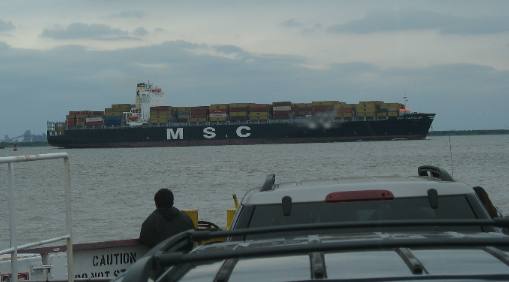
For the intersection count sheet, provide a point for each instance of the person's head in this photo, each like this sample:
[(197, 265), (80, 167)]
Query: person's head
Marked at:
[(164, 198)]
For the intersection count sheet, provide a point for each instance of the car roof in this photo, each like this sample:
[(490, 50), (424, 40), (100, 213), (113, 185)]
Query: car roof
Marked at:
[(373, 263), (317, 190)]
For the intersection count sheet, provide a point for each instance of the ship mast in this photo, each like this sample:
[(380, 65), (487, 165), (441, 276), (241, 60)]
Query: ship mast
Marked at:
[(144, 93)]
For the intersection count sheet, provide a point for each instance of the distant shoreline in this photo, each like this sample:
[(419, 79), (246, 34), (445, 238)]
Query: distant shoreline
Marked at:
[(23, 144), (469, 132)]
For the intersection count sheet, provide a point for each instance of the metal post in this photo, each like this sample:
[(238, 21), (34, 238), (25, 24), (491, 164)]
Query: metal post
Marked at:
[(12, 225), (68, 219)]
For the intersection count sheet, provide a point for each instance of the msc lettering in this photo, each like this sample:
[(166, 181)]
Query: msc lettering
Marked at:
[(208, 132)]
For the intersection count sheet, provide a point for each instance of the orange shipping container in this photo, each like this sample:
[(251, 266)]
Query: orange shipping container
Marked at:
[(259, 107)]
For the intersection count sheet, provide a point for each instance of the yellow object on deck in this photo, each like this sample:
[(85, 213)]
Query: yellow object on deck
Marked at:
[(193, 214), (230, 214)]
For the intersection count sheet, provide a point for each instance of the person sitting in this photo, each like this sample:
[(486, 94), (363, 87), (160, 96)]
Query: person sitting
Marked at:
[(163, 222)]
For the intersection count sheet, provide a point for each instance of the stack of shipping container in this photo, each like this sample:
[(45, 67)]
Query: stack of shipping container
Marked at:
[(392, 109), (218, 112), (81, 119), (199, 114), (113, 116), (238, 111), (161, 115), (259, 112), (235, 112), (182, 114), (345, 111), (367, 109), (281, 110), (71, 120), (302, 110), (324, 108)]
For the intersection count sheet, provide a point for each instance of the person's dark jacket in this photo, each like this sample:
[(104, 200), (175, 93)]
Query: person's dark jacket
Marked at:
[(162, 224)]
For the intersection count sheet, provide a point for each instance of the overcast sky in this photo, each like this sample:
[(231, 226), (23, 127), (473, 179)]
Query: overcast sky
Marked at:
[(447, 57)]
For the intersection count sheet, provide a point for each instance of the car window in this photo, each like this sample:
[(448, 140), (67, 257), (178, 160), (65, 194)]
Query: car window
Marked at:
[(450, 207)]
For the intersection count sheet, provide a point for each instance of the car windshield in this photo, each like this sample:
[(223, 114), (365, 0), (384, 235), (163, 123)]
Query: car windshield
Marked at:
[(450, 207)]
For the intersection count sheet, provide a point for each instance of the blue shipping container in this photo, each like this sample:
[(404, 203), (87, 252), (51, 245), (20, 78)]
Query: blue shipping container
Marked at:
[(112, 121)]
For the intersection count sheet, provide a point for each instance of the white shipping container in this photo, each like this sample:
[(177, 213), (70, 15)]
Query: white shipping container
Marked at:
[(282, 108), (93, 119), (217, 115)]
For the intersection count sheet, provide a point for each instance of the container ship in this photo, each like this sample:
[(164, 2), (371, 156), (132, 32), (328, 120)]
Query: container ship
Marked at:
[(140, 125)]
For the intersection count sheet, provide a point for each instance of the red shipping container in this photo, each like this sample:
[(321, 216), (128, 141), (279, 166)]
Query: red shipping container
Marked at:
[(281, 115), (323, 108)]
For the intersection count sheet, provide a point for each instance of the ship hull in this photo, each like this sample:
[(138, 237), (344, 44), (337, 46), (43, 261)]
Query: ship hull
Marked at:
[(411, 127)]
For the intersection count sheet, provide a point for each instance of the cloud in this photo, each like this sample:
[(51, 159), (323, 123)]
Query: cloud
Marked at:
[(134, 14), (292, 23), (230, 49), (75, 78), (140, 32), (301, 26), (86, 31), (391, 21), (6, 26)]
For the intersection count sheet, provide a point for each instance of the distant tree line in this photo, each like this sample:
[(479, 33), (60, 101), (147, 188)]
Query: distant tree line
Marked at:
[(469, 132)]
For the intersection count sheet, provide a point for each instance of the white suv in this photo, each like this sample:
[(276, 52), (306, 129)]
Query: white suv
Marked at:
[(433, 194)]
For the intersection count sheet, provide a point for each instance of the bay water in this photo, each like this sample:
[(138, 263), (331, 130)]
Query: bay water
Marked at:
[(113, 189)]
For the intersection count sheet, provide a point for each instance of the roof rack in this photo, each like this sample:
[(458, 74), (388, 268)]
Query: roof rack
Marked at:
[(269, 182), (176, 250), (435, 172), (169, 259)]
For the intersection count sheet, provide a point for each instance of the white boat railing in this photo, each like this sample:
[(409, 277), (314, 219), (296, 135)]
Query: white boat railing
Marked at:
[(13, 250)]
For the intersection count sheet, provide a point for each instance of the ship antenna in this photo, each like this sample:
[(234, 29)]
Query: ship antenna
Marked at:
[(450, 151)]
